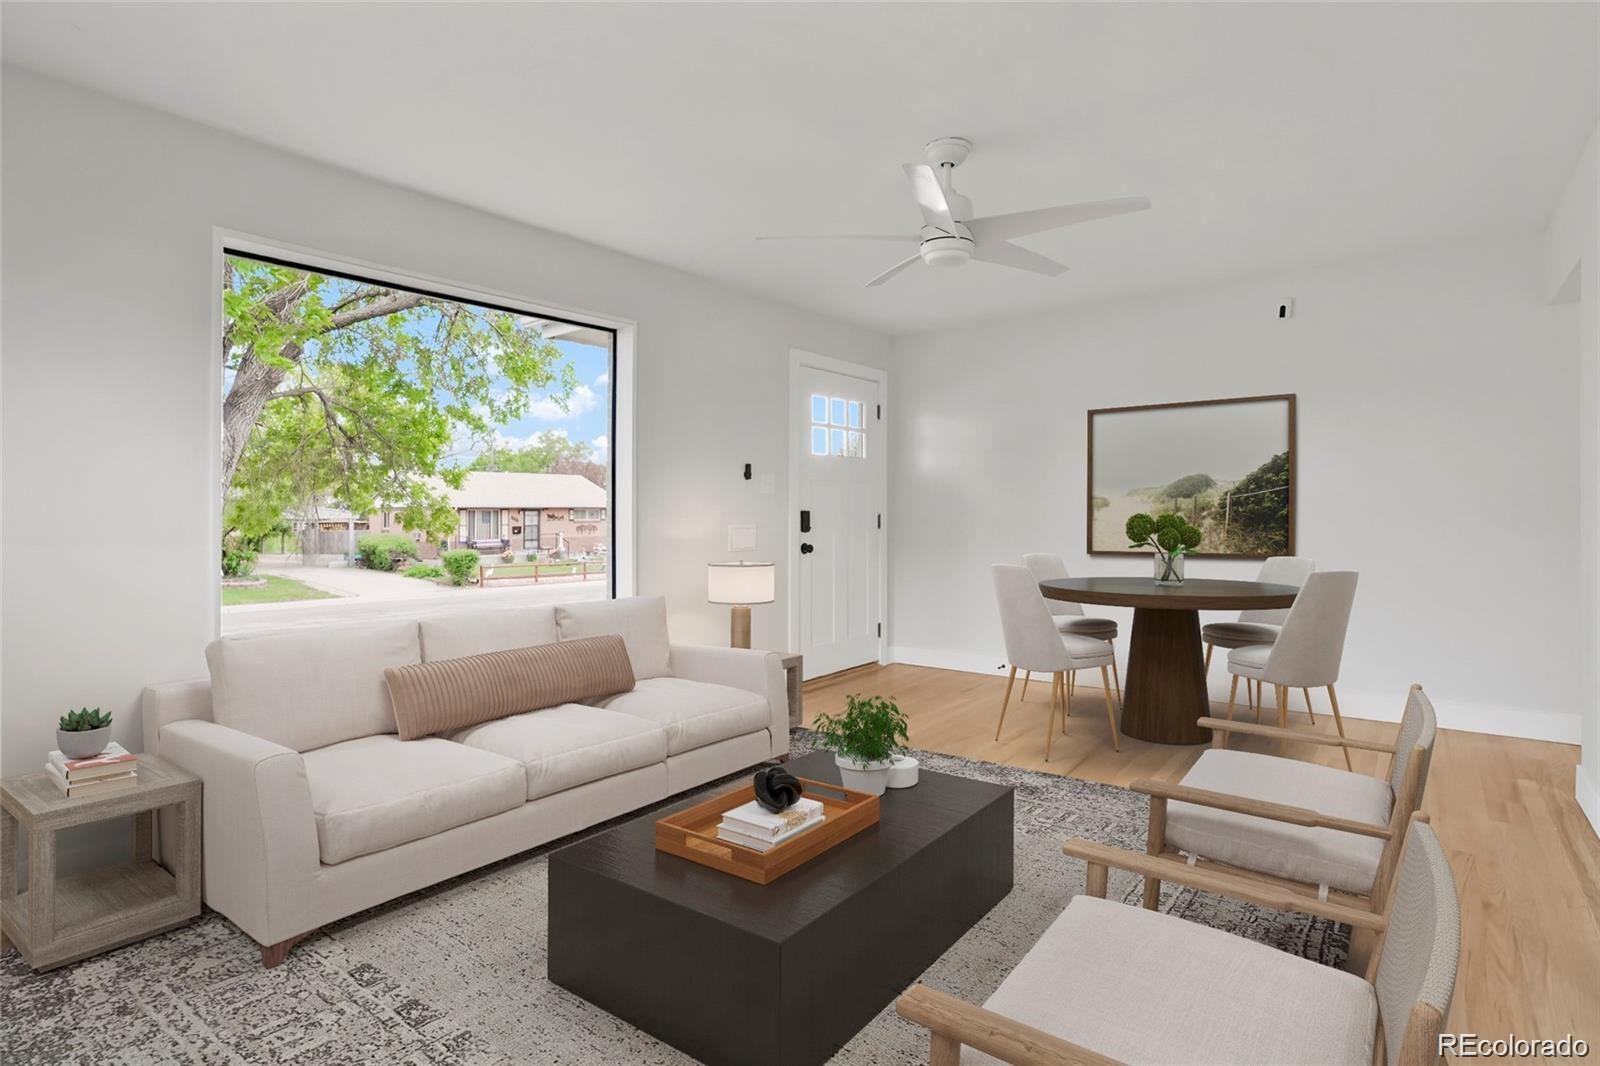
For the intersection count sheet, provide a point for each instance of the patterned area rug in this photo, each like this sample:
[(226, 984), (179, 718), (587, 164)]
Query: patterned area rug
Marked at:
[(456, 973)]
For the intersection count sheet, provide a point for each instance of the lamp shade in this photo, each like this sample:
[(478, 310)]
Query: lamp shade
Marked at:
[(741, 583)]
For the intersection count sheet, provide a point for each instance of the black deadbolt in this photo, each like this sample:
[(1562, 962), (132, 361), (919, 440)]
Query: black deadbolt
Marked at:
[(806, 549)]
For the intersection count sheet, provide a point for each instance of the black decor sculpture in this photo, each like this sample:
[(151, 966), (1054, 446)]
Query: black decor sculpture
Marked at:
[(777, 789)]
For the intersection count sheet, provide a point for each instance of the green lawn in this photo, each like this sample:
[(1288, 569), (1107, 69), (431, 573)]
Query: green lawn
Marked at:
[(276, 590), (545, 569)]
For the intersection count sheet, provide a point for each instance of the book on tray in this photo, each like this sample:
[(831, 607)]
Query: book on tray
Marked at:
[(753, 826), (113, 770)]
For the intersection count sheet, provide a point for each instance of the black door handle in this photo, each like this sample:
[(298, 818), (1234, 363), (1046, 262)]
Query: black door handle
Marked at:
[(806, 549)]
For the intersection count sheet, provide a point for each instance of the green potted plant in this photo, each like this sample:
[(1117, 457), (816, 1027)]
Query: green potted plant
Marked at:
[(1170, 536), (863, 740), (84, 733)]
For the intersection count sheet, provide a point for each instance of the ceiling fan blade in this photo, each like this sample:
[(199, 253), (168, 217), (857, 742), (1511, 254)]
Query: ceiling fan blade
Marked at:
[(1022, 223), (892, 271), (930, 196), (1014, 255), (900, 238)]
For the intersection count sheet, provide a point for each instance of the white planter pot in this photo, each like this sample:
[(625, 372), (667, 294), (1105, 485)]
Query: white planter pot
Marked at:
[(870, 777), (903, 772), (83, 744)]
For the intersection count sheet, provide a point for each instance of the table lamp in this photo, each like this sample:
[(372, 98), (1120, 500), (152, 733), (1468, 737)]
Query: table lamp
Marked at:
[(740, 584)]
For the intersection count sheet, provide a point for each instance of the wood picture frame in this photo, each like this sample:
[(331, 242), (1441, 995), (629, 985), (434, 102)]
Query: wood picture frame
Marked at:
[(1250, 532)]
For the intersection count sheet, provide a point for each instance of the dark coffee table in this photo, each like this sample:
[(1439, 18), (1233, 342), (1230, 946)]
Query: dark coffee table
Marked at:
[(781, 974)]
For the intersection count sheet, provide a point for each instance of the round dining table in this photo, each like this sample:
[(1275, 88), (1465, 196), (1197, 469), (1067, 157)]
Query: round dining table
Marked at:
[(1165, 690)]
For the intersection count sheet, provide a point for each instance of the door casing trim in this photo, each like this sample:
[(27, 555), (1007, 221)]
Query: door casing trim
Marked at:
[(799, 359)]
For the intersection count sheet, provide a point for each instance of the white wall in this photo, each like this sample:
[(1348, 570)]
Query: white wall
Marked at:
[(1437, 455), (106, 577), (1572, 275)]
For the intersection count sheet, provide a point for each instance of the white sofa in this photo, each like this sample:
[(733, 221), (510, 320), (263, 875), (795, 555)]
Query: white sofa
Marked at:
[(314, 809)]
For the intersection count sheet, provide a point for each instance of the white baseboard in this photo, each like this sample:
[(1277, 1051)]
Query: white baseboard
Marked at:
[(1531, 723), (1588, 798)]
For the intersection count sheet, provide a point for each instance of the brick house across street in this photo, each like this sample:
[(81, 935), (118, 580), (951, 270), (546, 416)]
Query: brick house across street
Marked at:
[(554, 514)]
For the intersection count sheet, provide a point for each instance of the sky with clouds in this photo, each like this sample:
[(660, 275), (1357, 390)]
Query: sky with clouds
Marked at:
[(587, 416)]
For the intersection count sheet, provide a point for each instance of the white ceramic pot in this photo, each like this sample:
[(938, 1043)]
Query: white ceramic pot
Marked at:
[(870, 777), (83, 744), (903, 772)]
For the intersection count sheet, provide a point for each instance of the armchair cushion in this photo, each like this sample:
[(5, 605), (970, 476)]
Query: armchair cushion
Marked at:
[(1141, 986), (694, 713), (1239, 634), (570, 745), (1311, 855), (380, 792)]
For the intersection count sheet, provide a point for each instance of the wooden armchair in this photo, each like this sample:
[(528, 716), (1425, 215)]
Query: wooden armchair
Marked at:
[(1295, 827), (1108, 983)]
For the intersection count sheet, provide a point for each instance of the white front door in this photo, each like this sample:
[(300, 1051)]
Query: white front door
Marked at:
[(840, 493)]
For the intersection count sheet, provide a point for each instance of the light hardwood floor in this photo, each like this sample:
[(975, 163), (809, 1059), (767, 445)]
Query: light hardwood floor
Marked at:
[(1526, 861)]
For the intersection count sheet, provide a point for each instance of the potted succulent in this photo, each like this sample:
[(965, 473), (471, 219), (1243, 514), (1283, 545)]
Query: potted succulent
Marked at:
[(863, 740), (84, 733), (1171, 536)]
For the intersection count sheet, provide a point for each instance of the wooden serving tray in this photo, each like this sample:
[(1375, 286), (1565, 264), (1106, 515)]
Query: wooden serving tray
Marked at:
[(692, 833)]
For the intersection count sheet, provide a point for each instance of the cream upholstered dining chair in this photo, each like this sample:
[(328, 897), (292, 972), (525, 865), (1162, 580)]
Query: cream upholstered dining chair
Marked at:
[(1108, 983), (1068, 616), (1308, 649), (1273, 819), (1034, 643), (1259, 627)]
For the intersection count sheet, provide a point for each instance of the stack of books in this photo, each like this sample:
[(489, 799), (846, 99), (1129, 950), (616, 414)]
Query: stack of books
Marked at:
[(753, 826), (114, 770)]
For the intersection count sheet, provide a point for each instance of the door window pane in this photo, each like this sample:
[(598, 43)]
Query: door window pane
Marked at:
[(856, 445), (838, 411), (836, 442), (819, 409), (819, 441), (855, 414)]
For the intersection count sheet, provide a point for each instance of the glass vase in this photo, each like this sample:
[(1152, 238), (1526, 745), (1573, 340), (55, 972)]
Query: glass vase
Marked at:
[(1169, 569)]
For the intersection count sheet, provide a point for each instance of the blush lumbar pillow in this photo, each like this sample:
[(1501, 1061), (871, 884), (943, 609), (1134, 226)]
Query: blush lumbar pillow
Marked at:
[(450, 694)]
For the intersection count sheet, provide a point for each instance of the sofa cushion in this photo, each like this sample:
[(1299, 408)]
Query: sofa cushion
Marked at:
[(641, 622), (450, 636), (570, 745), (451, 694), (377, 793), (309, 687), (1301, 853), (1141, 986), (694, 713)]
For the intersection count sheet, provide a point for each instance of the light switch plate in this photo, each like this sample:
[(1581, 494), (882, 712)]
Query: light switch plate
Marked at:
[(741, 538)]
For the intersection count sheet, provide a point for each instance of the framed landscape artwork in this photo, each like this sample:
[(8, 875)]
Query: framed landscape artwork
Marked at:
[(1225, 465)]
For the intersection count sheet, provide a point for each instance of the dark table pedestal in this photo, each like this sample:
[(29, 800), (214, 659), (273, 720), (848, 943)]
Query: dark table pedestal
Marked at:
[(1166, 689), (783, 974)]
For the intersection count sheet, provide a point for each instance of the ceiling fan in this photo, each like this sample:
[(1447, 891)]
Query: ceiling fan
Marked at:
[(950, 235)]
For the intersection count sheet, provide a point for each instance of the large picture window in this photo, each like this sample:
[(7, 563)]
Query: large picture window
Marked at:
[(369, 428)]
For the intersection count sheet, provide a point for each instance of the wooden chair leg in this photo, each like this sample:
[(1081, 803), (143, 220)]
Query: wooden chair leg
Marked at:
[(1116, 680), (1233, 694), (1209, 649), (1094, 880), (1309, 712), (1111, 713), (1068, 688), (1012, 680), (1260, 699), (1280, 700), (1027, 675), (1050, 722), (1061, 686), (1333, 701), (943, 1050), (1155, 842)]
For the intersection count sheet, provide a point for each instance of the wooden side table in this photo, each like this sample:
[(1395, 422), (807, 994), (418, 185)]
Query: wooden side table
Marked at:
[(55, 922), (794, 676)]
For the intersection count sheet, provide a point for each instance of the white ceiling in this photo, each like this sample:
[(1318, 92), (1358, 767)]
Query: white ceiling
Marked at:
[(1268, 135)]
